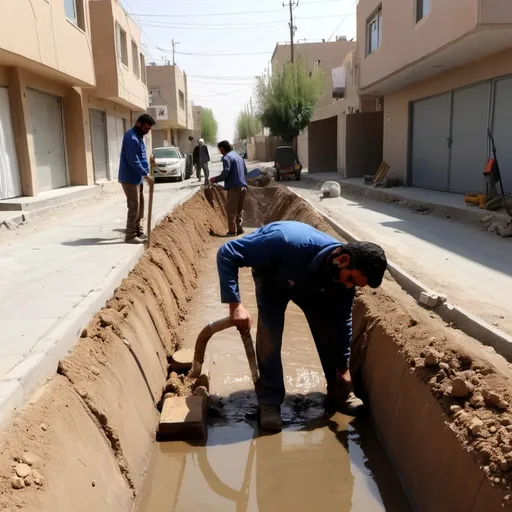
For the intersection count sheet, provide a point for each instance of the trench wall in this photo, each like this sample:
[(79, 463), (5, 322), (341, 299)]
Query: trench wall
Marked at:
[(93, 424)]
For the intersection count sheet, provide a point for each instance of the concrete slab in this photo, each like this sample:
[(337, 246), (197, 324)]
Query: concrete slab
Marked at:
[(183, 418)]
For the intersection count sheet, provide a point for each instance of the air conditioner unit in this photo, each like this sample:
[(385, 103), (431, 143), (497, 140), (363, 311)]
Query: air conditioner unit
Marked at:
[(159, 113)]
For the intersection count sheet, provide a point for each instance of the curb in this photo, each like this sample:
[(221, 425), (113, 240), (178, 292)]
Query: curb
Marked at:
[(42, 361), (468, 323)]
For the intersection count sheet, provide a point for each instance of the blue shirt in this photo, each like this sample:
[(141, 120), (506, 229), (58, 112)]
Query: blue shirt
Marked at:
[(233, 173), (133, 165), (289, 255)]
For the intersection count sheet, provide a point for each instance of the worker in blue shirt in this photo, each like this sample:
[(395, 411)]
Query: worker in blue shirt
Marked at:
[(133, 170), (292, 261), (233, 175)]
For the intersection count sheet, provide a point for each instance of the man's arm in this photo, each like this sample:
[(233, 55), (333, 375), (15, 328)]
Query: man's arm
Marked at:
[(207, 154), (226, 168), (343, 312), (132, 152), (255, 250)]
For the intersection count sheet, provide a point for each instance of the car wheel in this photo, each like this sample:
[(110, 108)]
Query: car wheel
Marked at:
[(278, 176), (297, 176)]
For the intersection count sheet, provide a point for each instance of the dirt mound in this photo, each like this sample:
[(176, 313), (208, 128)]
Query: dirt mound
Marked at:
[(439, 399)]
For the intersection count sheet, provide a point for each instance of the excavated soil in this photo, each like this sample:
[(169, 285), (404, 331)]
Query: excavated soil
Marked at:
[(439, 400)]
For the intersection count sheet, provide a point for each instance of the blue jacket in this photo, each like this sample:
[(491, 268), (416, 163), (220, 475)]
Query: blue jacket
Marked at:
[(133, 165), (289, 255), (234, 170)]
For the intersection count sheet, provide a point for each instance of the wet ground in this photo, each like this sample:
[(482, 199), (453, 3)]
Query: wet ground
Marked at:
[(332, 463)]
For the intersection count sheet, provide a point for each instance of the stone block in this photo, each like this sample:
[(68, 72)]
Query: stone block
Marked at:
[(183, 418), (430, 300)]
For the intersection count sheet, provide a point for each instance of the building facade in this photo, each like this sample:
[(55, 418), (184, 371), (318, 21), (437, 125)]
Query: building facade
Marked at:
[(171, 107), (322, 145), (65, 97), (444, 71)]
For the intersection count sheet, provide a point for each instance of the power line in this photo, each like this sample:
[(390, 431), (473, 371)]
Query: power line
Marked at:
[(291, 5), (343, 20)]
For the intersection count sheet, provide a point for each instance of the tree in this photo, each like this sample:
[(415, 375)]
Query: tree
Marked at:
[(209, 126), (247, 125), (287, 101)]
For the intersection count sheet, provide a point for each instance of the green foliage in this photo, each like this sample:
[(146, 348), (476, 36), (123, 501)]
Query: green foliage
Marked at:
[(287, 101), (209, 126), (247, 125)]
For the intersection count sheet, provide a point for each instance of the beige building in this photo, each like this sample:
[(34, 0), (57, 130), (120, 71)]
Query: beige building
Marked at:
[(197, 117), (444, 70), (170, 107), (68, 82), (322, 145)]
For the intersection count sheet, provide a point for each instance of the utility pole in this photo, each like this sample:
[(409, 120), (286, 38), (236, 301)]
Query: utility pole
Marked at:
[(174, 44), (291, 4)]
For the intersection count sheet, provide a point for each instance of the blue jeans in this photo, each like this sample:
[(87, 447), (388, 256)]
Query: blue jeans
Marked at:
[(321, 318)]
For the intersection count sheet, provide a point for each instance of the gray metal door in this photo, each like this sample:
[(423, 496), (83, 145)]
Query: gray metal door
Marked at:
[(10, 184), (99, 144), (502, 129), (48, 138), (430, 148), (469, 138)]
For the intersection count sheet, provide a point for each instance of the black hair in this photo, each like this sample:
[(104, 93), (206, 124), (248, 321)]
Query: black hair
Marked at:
[(369, 259), (146, 119), (225, 145)]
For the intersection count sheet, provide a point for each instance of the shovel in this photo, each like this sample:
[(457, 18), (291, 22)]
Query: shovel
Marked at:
[(205, 336)]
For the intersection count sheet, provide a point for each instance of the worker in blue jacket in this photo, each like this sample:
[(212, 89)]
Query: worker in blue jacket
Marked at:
[(292, 261), (133, 170)]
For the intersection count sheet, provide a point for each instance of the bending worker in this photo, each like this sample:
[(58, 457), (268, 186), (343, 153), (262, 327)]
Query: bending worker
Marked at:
[(295, 262)]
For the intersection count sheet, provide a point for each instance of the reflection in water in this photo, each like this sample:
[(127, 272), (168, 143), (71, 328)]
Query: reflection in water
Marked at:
[(332, 463)]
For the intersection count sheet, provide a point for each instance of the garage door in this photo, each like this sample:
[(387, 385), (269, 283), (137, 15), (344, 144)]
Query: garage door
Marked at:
[(469, 138), (48, 138), (10, 185), (502, 129), (115, 134), (99, 145), (430, 148)]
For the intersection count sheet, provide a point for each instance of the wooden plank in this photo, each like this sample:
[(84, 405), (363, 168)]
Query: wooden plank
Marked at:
[(183, 418)]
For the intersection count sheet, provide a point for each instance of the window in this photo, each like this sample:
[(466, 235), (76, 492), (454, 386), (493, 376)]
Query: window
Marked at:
[(135, 59), (422, 9), (374, 32), (143, 69), (182, 100), (74, 10), (166, 153), (122, 45)]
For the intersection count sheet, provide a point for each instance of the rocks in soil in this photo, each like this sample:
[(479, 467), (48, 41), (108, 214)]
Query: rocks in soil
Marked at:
[(475, 426), (30, 458), (22, 470), (95, 370), (38, 478), (44, 427), (105, 319), (494, 399), (432, 357), (17, 482), (461, 388)]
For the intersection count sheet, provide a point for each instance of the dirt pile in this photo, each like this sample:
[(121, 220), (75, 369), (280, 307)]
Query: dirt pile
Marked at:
[(440, 401)]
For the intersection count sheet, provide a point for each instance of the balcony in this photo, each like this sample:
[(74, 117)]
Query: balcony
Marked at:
[(398, 45), (118, 60), (48, 38)]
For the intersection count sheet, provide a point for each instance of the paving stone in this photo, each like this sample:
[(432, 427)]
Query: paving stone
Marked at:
[(183, 418)]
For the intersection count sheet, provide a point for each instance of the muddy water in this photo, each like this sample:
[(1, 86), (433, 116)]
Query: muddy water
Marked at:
[(334, 463)]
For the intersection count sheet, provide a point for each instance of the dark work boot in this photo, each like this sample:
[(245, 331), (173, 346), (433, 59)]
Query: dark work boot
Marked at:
[(270, 418)]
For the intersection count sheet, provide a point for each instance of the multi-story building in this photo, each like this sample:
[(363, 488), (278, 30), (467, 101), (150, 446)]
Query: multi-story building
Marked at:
[(322, 145), (71, 72), (170, 106), (444, 70)]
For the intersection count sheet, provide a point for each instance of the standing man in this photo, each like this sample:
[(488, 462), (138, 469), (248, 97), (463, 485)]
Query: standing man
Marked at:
[(295, 262), (133, 170), (201, 158), (233, 176)]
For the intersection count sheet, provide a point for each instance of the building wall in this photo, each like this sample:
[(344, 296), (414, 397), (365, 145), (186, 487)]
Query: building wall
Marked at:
[(38, 36), (115, 80), (396, 105), (165, 84)]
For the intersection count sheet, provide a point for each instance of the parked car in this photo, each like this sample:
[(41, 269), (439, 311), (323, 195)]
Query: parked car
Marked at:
[(171, 164), (287, 163)]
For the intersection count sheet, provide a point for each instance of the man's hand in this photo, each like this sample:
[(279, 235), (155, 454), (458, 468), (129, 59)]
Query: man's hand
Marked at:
[(343, 383), (150, 179), (212, 180), (240, 317)]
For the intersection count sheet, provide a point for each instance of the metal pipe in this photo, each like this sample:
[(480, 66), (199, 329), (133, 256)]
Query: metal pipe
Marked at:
[(205, 336)]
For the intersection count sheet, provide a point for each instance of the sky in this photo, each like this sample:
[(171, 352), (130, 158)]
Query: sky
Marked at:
[(225, 44)]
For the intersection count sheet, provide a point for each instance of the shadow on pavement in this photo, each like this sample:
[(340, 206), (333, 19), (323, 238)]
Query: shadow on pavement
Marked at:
[(93, 241)]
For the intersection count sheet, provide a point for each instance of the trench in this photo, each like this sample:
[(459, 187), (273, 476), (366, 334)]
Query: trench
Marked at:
[(332, 462), (92, 426)]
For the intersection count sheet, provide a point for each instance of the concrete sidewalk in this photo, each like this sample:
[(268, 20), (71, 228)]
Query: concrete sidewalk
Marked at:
[(442, 204), (54, 279)]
